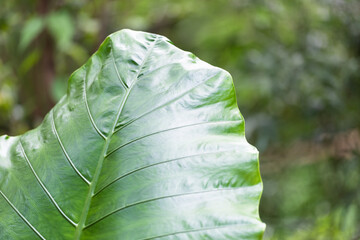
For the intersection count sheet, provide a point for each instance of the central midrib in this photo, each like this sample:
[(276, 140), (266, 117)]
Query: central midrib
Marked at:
[(93, 183)]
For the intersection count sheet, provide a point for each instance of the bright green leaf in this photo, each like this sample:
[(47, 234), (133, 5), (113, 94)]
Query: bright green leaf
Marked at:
[(31, 30), (61, 27), (148, 143)]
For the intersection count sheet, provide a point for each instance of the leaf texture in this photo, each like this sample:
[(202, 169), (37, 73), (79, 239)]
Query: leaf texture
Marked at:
[(148, 143)]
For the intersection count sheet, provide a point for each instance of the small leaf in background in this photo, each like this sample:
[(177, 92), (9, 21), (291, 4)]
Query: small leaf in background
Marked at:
[(349, 220), (31, 30), (30, 60), (61, 27), (3, 24)]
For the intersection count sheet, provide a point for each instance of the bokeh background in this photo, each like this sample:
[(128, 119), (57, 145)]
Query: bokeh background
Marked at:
[(296, 69)]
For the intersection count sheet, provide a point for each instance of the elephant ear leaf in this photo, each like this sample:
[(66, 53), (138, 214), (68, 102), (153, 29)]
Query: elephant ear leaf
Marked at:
[(148, 143)]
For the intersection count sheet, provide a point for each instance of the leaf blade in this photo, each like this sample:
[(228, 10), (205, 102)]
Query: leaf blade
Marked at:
[(157, 135)]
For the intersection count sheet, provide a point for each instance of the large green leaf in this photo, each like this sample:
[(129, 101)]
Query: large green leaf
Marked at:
[(148, 143)]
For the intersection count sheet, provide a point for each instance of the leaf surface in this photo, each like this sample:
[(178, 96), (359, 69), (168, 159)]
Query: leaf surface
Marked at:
[(148, 143)]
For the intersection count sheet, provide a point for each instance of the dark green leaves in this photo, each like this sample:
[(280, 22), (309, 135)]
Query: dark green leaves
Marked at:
[(148, 143)]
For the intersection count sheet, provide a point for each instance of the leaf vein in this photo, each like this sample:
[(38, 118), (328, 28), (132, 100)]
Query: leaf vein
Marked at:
[(64, 150), (90, 195), (88, 110), (21, 216), (166, 130), (165, 104), (155, 199), (44, 188), (155, 164), (123, 83)]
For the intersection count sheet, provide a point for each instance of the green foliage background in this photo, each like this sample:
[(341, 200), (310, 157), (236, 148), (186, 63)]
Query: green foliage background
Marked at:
[(296, 67)]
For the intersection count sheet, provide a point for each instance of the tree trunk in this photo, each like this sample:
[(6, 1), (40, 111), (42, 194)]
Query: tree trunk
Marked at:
[(45, 69)]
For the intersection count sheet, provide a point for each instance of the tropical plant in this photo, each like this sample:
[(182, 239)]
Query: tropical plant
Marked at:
[(148, 143)]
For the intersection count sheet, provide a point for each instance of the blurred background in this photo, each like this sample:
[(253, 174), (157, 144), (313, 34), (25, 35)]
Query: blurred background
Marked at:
[(296, 69)]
